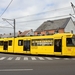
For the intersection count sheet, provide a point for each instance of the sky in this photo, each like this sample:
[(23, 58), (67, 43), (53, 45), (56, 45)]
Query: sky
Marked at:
[(30, 14)]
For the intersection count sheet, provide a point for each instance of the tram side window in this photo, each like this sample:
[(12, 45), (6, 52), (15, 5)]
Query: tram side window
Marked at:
[(1, 43), (42, 42), (20, 42), (69, 42), (34, 43), (10, 42)]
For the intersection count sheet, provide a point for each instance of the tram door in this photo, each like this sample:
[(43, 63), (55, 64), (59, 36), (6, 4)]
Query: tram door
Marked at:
[(58, 46), (5, 45), (26, 46)]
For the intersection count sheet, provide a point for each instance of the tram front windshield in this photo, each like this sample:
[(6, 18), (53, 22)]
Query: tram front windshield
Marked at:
[(70, 41)]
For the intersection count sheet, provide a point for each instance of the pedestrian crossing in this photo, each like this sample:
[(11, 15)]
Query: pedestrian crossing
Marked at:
[(18, 58), (34, 58), (25, 58), (2, 58), (10, 58), (49, 58), (41, 58)]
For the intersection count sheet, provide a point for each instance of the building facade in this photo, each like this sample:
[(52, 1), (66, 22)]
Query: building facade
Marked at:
[(54, 26)]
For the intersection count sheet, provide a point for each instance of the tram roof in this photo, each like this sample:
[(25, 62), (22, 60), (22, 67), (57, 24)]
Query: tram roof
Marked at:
[(44, 36)]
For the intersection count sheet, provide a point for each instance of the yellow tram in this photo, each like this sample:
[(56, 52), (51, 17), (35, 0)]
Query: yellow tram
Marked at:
[(62, 44)]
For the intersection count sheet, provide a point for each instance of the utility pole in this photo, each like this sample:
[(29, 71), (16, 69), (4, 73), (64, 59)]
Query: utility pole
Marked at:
[(11, 24), (14, 28), (73, 7)]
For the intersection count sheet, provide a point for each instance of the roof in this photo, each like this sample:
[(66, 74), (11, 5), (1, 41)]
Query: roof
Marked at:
[(5, 35), (9, 35), (55, 24), (12, 34), (24, 33), (74, 22)]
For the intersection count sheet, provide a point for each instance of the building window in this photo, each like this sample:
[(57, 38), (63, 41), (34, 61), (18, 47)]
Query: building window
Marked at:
[(47, 32), (10, 42), (39, 33), (20, 42)]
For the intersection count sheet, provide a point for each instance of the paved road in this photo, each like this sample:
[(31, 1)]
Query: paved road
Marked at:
[(40, 66)]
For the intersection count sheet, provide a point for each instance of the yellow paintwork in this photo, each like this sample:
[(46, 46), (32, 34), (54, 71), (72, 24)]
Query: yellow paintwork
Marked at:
[(42, 50), (11, 48), (1, 47), (18, 49), (46, 50)]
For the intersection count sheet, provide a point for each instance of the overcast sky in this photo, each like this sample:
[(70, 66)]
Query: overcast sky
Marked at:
[(23, 12)]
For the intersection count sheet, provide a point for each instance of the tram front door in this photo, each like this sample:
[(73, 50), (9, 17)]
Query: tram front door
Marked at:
[(5, 45), (26, 46)]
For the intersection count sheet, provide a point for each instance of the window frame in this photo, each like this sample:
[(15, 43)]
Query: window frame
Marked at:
[(1, 44), (42, 42), (20, 42), (69, 45), (10, 43)]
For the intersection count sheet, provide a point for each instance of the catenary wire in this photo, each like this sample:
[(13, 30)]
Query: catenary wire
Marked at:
[(45, 12), (44, 18), (6, 8)]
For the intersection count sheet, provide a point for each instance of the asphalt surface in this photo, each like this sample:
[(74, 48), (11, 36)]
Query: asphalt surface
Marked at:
[(36, 67)]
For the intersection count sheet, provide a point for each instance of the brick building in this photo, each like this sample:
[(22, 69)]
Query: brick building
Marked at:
[(60, 25)]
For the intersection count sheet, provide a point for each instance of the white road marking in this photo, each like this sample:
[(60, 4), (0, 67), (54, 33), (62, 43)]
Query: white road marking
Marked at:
[(18, 58), (66, 58), (33, 58), (49, 58), (2, 58), (56, 58), (10, 58), (41, 58), (15, 70), (73, 59), (25, 58)]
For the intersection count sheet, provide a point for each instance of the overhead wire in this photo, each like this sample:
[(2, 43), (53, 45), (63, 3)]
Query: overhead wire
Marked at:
[(44, 18), (44, 12), (5, 27), (35, 14), (6, 8)]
